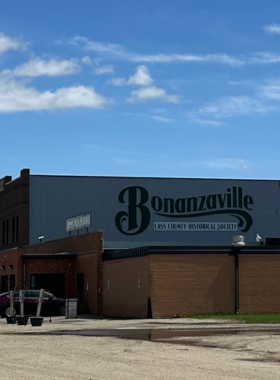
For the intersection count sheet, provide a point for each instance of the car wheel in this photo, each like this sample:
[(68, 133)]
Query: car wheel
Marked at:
[(8, 312), (62, 310)]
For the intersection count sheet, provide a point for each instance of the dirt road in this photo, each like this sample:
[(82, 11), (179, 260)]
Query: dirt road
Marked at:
[(42, 353)]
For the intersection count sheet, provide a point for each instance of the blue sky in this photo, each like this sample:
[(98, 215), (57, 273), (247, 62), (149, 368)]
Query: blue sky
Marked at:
[(150, 88)]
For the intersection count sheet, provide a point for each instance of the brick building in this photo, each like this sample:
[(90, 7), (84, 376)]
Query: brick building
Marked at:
[(106, 241), (168, 281), (68, 268), (14, 211)]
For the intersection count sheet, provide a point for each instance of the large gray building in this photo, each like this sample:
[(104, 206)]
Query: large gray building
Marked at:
[(143, 211), (136, 211)]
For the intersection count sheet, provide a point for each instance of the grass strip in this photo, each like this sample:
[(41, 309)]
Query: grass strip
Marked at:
[(246, 317)]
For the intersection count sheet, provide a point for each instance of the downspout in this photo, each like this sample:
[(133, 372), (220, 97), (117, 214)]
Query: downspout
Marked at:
[(100, 280), (24, 273), (236, 251)]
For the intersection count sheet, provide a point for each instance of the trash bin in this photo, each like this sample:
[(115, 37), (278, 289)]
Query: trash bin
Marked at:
[(71, 307)]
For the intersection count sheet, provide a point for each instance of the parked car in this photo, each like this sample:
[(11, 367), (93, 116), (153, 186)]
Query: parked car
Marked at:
[(51, 304)]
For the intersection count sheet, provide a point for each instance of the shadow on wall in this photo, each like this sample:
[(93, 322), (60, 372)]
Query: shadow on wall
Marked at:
[(221, 296)]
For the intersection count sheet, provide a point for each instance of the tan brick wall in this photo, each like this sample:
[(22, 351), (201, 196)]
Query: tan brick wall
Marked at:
[(190, 284), (124, 298), (259, 283)]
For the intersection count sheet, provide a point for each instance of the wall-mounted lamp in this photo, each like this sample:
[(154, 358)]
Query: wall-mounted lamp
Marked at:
[(2, 267), (10, 266), (40, 238)]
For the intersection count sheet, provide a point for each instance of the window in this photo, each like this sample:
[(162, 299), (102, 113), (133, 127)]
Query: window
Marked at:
[(13, 229), (17, 228), (7, 231), (3, 232)]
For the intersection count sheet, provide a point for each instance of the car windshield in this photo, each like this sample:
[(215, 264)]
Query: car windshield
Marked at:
[(4, 294), (33, 294)]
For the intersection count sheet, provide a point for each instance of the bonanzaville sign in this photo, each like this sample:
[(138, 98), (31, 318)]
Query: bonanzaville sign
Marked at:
[(175, 214)]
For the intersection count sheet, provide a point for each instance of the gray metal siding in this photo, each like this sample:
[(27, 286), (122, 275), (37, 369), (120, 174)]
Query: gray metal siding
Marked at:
[(53, 199)]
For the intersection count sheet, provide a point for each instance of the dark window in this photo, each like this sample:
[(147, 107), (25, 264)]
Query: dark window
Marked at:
[(51, 282), (7, 231), (3, 232), (12, 281), (80, 286), (17, 228), (4, 284), (13, 229)]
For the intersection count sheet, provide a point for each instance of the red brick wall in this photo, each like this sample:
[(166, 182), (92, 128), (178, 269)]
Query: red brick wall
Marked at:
[(259, 283), (191, 284), (83, 243), (12, 257), (124, 298), (66, 266), (14, 201), (88, 247), (88, 261)]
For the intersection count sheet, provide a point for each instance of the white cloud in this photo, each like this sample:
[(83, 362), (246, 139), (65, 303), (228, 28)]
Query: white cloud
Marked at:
[(160, 110), (145, 94), (119, 52), (235, 105), (15, 97), (221, 163), (118, 81), (271, 91), (125, 161), (265, 58), (141, 77), (38, 67), (211, 123), (162, 119), (8, 43), (104, 70), (116, 51), (188, 58), (227, 163), (247, 167), (272, 28), (86, 60)]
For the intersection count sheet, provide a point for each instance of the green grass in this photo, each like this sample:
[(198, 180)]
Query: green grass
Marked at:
[(248, 318)]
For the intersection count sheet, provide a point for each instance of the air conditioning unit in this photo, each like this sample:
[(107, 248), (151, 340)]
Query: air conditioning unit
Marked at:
[(238, 241), (272, 241)]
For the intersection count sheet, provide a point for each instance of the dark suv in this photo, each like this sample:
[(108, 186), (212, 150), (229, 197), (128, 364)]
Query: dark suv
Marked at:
[(51, 304)]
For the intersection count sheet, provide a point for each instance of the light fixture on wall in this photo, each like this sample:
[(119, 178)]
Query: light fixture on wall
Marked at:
[(10, 266), (2, 267)]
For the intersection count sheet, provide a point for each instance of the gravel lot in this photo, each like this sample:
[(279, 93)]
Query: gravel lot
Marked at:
[(51, 352)]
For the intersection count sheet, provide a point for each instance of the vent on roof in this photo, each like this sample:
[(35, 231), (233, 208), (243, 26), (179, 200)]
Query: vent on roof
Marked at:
[(238, 241)]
